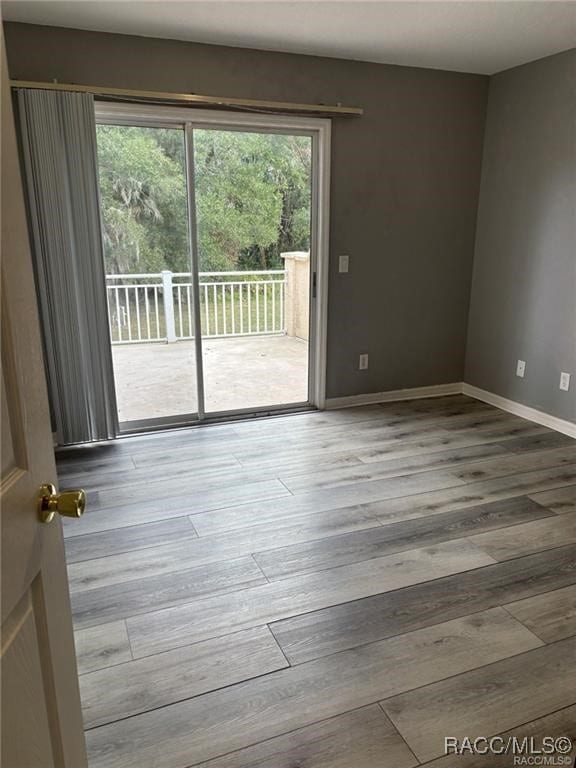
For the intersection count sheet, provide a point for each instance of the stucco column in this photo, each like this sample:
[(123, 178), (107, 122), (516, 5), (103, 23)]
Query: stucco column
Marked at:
[(297, 299)]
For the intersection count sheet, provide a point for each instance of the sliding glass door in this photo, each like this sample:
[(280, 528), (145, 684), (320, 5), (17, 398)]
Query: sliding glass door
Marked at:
[(210, 265), (252, 195), (144, 208)]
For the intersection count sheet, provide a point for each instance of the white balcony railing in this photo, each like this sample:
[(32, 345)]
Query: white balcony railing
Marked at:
[(158, 307)]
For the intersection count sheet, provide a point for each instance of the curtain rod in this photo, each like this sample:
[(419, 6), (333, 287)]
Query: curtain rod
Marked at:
[(195, 99)]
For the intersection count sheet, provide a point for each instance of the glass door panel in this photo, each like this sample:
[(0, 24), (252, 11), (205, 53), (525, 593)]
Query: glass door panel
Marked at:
[(253, 199), (144, 207)]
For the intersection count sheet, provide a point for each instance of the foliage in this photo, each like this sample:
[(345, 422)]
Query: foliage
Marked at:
[(252, 198), (143, 199)]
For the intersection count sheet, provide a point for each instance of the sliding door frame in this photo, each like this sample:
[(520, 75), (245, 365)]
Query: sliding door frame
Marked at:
[(195, 267), (188, 119)]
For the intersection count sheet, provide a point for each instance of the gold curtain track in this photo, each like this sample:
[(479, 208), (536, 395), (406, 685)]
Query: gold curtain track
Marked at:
[(256, 105)]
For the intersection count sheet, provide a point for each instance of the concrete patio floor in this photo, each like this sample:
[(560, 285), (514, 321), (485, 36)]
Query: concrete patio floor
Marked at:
[(156, 380)]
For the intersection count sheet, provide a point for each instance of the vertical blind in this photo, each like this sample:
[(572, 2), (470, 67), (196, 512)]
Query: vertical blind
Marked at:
[(58, 137)]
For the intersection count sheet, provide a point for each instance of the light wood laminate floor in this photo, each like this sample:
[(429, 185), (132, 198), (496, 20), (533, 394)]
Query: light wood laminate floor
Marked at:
[(325, 590)]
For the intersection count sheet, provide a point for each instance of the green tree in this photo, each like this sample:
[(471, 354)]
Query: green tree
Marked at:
[(252, 198), (143, 198)]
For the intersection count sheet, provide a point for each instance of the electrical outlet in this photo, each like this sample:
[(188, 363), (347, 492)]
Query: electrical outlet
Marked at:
[(565, 381), (363, 362), (343, 263), (521, 368)]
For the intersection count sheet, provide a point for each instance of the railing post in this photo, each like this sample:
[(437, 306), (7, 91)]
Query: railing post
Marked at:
[(168, 300), (297, 297)]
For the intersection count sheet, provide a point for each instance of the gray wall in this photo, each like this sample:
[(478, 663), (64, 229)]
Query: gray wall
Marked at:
[(523, 302), (405, 180)]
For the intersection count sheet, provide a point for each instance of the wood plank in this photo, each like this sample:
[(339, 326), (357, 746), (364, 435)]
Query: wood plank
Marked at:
[(109, 543), (334, 478), (331, 426), (373, 430), (378, 499), (424, 404), (219, 615), (194, 450), (481, 492), (162, 507), (196, 444), (274, 458), (530, 537), (208, 436), (548, 439), (357, 622), (220, 722), (97, 606), (450, 439), (145, 684), (561, 723), (373, 435), (456, 416), (188, 483), (484, 701), (172, 557), (311, 420), (148, 450), (364, 738), (523, 462), (193, 440), (410, 444), (278, 563), (551, 616), (199, 469), (383, 412), (103, 646), (86, 466), (309, 462), (559, 500), (209, 475), (270, 511), (302, 463)]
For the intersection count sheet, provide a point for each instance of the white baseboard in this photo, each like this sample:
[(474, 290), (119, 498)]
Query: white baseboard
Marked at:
[(416, 393), (524, 411)]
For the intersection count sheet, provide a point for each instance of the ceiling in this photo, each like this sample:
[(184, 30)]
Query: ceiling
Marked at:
[(483, 36)]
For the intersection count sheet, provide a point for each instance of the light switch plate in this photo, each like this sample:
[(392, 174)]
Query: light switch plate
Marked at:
[(343, 263), (521, 368), (565, 381)]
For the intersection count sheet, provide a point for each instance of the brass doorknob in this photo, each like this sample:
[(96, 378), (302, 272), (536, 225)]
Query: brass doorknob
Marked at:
[(67, 503)]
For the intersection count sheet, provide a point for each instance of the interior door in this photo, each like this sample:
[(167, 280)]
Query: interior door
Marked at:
[(41, 716)]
